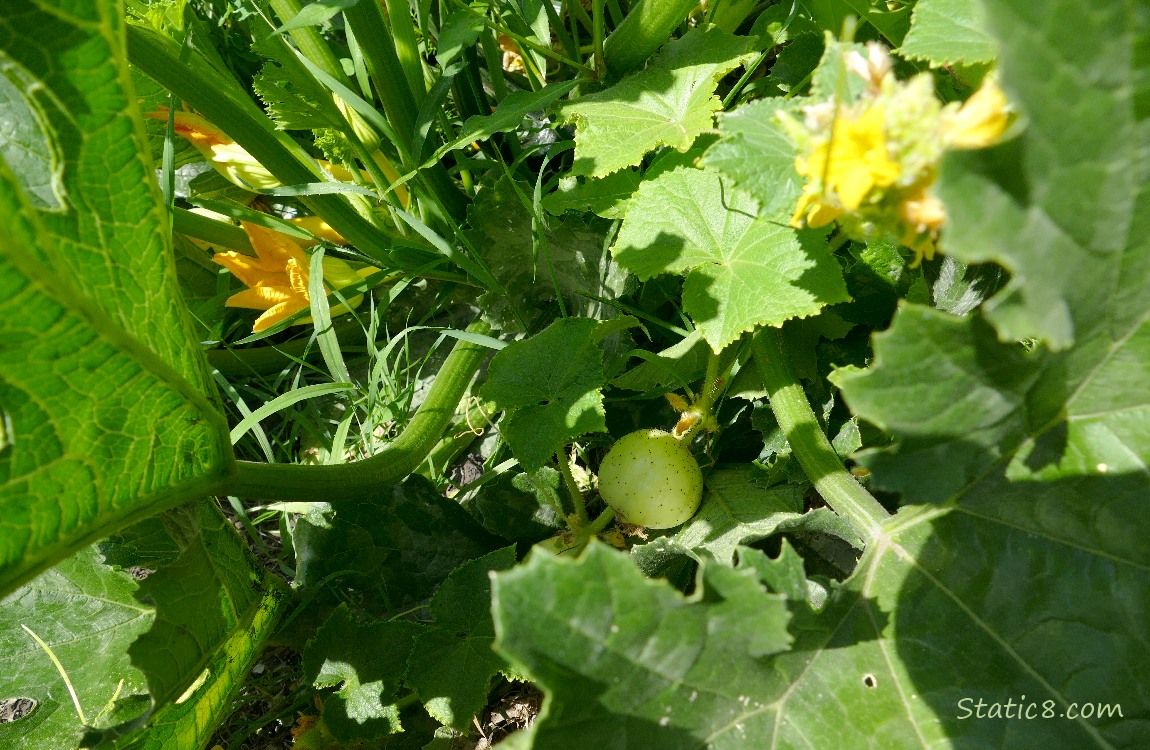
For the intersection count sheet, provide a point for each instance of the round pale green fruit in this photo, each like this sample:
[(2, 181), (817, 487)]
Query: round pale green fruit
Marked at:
[(651, 479)]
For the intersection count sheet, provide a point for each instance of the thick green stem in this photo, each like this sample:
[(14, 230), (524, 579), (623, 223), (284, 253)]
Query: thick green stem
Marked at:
[(713, 383), (401, 457), (407, 48), (310, 42), (814, 452), (572, 488), (399, 104), (647, 26)]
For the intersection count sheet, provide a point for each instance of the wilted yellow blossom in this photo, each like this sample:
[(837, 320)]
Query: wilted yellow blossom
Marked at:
[(277, 278)]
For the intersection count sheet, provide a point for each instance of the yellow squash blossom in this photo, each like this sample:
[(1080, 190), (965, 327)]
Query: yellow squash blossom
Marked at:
[(225, 155), (229, 158), (277, 278), (319, 228), (852, 163), (981, 120)]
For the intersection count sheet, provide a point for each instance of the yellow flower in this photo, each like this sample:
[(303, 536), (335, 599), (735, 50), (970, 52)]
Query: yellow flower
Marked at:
[(277, 278), (230, 159), (319, 228), (225, 155), (922, 215), (852, 163), (981, 120)]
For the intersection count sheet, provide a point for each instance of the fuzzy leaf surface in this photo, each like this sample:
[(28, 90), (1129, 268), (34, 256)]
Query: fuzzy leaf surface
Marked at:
[(630, 662), (946, 32), (88, 615), (451, 666), (550, 384), (669, 103), (103, 377), (401, 545), (742, 269)]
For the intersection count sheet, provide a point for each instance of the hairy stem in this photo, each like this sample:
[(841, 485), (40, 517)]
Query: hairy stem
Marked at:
[(822, 466), (401, 457)]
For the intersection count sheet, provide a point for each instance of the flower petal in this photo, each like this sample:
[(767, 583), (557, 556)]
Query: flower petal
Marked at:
[(278, 313), (261, 297)]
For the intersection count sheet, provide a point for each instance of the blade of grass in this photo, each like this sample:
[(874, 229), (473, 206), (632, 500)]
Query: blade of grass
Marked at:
[(285, 401), (321, 320)]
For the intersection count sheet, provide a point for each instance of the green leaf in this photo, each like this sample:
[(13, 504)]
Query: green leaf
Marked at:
[(1069, 188), (523, 507), (103, 376), (669, 103), (783, 575), (606, 197), (87, 614), (399, 545), (293, 98), (742, 270), (550, 385), (947, 32), (957, 396), (366, 661), (201, 599), (630, 662), (451, 666), (740, 507), (676, 366), (563, 262), (192, 722), (459, 31), (759, 157)]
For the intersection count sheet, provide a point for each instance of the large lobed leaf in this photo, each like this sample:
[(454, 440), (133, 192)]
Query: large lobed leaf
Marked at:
[(87, 615), (629, 662), (669, 103), (550, 384), (1037, 460), (102, 379), (742, 269)]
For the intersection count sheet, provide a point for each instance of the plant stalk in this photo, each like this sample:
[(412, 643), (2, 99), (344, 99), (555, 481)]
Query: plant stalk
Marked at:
[(647, 26), (310, 42), (816, 456), (572, 488), (334, 482)]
